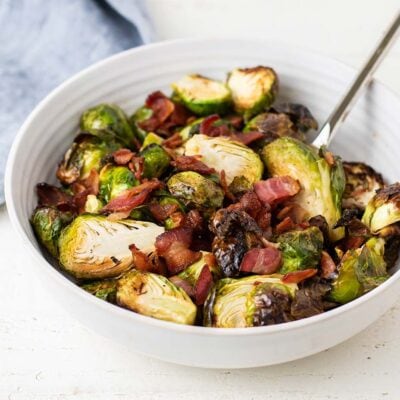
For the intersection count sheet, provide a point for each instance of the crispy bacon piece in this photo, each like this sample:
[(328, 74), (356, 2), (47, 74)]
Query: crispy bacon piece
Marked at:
[(173, 246), (174, 141), (328, 266), (299, 276), (248, 137), (162, 108), (294, 211), (207, 127), (136, 165), (179, 117), (51, 196), (276, 190), (235, 120), (225, 187), (185, 285), (194, 220), (203, 285), (162, 212), (131, 198), (147, 262), (191, 163), (178, 219), (122, 156), (262, 261), (83, 188), (286, 225)]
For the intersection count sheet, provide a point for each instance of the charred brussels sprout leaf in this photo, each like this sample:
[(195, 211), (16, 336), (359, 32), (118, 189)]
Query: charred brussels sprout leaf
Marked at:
[(245, 302), (85, 154), (104, 290), (361, 184), (151, 138), (194, 190), (360, 270), (300, 249), (201, 95), (48, 223), (114, 180), (322, 185), (155, 296), (93, 247), (156, 161), (140, 115), (383, 209), (300, 115), (108, 118), (224, 154), (253, 89)]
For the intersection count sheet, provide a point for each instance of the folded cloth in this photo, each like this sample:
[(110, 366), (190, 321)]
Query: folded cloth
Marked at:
[(45, 42)]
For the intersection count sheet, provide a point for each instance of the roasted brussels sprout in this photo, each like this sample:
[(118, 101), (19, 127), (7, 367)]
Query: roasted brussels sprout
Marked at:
[(201, 95), (155, 296), (141, 114), (93, 247), (361, 184), (360, 270), (300, 249), (194, 190), (225, 154), (150, 139), (85, 154), (383, 209), (48, 223), (253, 301), (300, 116), (190, 130), (322, 184), (253, 89), (93, 205), (104, 290), (108, 118), (156, 161), (114, 180)]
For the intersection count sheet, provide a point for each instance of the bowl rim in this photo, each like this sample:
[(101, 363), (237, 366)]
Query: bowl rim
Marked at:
[(120, 312)]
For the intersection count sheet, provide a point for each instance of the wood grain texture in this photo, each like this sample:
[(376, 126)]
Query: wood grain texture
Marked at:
[(46, 355)]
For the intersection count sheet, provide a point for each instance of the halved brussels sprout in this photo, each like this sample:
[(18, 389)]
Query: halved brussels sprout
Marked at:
[(252, 301), (150, 139), (201, 95), (156, 161), (360, 270), (114, 180), (194, 190), (48, 223), (224, 154), (155, 296), (104, 290), (383, 209), (361, 184), (108, 118), (93, 247), (85, 154), (141, 114), (300, 249), (322, 185), (253, 89)]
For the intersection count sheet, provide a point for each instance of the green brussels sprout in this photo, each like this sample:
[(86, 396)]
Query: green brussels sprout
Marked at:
[(155, 296), (300, 249), (190, 130), (141, 114), (85, 154), (156, 161), (239, 185), (361, 184), (113, 180), (93, 247), (48, 223), (150, 139), (252, 301), (360, 271), (104, 290), (225, 154), (253, 89), (194, 190), (383, 209), (93, 205), (322, 184), (108, 118), (202, 96)]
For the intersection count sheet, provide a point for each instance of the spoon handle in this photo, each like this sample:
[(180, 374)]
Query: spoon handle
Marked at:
[(341, 111)]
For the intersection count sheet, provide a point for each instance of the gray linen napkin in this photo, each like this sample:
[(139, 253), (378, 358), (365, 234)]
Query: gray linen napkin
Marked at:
[(45, 42)]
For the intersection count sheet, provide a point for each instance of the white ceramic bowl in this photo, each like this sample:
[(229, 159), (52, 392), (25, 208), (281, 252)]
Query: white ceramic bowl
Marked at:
[(370, 134)]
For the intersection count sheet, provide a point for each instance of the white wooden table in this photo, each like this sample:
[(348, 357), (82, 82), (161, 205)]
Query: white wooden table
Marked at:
[(47, 355)]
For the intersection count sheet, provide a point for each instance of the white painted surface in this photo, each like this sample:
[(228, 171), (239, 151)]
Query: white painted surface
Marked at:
[(45, 354)]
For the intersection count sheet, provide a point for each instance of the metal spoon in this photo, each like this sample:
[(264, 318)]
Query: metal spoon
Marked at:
[(343, 108)]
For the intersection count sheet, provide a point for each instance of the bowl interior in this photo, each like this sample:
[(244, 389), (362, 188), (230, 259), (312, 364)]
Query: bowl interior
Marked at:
[(370, 133)]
